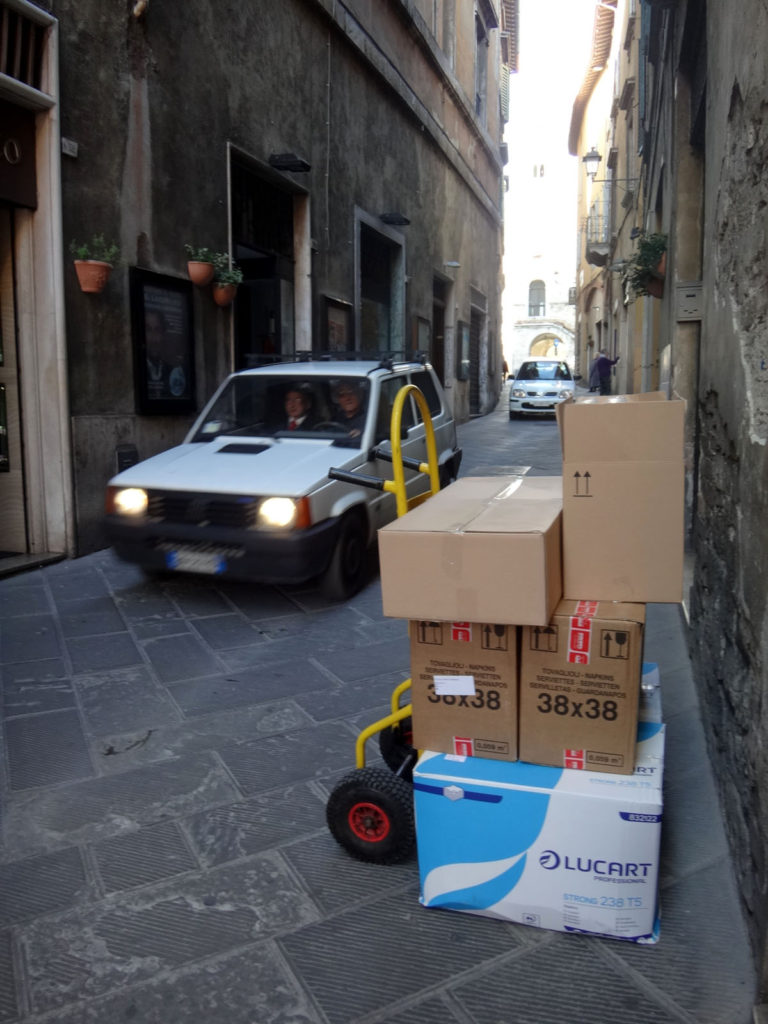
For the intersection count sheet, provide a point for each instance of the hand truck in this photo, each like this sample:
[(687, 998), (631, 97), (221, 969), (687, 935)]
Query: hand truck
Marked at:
[(370, 811)]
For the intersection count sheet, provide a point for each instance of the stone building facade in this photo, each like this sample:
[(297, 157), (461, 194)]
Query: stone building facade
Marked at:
[(694, 76), (347, 156)]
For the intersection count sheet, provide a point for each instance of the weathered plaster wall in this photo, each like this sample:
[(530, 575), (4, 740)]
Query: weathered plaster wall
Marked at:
[(730, 598)]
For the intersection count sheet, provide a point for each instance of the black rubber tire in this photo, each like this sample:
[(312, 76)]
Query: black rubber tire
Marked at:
[(395, 744), (370, 815), (348, 568)]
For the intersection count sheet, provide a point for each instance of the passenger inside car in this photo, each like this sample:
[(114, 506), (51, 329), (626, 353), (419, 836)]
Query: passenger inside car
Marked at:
[(349, 398)]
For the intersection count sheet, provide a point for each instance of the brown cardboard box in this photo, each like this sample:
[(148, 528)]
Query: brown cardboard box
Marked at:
[(623, 498), (484, 549), (464, 688), (580, 687)]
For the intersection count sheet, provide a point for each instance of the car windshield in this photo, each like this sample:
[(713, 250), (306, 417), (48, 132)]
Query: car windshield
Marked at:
[(541, 370), (289, 407)]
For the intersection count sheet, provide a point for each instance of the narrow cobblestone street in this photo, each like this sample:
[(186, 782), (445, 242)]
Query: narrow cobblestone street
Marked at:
[(168, 749)]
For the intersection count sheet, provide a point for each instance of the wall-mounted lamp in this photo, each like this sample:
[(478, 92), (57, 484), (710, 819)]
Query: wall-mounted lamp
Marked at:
[(453, 264), (288, 162), (394, 218), (592, 161)]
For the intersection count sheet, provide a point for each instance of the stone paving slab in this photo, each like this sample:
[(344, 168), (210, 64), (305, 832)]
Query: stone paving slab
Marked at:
[(28, 636), (251, 986), (257, 824), (115, 753), (137, 936), (41, 885), (55, 817), (603, 991), (273, 761), (44, 749)]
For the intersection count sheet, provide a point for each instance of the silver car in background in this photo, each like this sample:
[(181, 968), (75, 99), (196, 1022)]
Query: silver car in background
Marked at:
[(539, 386)]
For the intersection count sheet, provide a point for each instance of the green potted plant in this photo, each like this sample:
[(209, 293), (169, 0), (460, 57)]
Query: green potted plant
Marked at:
[(201, 264), (94, 262), (645, 271), (227, 277)]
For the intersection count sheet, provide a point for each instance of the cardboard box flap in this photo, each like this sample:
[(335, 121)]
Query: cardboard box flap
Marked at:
[(482, 505), (635, 428)]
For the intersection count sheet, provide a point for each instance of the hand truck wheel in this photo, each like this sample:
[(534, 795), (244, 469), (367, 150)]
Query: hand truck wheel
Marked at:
[(370, 814)]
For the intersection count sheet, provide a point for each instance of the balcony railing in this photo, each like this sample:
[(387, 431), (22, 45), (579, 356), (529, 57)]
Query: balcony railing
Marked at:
[(598, 231)]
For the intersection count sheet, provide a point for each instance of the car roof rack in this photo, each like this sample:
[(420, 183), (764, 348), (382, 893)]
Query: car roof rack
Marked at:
[(386, 359)]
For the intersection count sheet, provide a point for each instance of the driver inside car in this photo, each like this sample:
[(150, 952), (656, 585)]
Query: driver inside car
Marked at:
[(298, 408)]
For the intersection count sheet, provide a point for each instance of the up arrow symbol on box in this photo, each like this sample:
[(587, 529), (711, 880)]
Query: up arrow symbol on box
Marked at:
[(577, 477)]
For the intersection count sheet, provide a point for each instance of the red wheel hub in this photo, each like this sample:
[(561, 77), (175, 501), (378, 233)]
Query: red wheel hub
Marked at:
[(369, 822)]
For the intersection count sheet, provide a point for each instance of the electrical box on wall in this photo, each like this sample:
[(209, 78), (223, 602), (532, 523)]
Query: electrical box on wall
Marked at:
[(689, 301)]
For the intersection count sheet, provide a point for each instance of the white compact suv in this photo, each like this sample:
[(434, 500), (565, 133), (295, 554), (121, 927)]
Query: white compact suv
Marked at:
[(247, 494), (539, 386)]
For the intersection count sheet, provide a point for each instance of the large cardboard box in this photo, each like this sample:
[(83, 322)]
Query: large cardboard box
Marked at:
[(623, 497), (464, 688), (580, 687), (484, 549), (549, 847)]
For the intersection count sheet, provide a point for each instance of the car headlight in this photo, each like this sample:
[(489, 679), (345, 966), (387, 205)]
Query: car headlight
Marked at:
[(518, 393), (565, 394), (128, 501), (284, 514)]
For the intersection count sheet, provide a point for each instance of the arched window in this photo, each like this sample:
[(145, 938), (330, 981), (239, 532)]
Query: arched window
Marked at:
[(537, 298)]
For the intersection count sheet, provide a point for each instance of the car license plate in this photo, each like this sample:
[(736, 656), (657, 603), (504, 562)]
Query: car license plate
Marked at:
[(188, 560)]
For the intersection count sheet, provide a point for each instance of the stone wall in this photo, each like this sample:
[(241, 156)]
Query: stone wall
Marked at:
[(729, 610)]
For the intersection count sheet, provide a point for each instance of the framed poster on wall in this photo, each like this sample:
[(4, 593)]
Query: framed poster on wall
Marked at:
[(163, 343), (337, 325)]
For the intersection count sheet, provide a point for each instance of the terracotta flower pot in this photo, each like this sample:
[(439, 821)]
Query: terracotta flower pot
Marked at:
[(655, 287), (223, 294), (200, 273), (92, 274)]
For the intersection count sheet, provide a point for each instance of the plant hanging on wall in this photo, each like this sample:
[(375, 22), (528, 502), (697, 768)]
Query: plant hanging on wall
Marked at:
[(202, 263), (227, 277), (94, 262), (644, 273)]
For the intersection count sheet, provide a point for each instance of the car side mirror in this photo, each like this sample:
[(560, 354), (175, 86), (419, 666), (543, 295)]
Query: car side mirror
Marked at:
[(577, 376)]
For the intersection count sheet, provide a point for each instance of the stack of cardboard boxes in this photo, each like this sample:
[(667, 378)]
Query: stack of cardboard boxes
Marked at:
[(526, 605)]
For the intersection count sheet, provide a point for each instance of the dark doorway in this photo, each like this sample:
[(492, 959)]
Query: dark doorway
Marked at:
[(262, 230), (475, 331)]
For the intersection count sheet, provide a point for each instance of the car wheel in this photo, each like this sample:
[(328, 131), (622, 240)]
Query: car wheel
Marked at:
[(446, 475), (346, 571), (513, 415), (370, 814)]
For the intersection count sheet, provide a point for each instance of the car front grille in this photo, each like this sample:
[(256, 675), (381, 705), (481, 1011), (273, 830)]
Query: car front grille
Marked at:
[(542, 394), (236, 512)]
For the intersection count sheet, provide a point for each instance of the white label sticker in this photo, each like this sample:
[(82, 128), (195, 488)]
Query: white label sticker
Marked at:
[(457, 686)]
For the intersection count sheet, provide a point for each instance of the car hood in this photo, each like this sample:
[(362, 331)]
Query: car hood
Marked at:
[(230, 465), (542, 387)]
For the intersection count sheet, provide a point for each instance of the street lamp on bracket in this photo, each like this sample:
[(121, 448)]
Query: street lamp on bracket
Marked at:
[(591, 163)]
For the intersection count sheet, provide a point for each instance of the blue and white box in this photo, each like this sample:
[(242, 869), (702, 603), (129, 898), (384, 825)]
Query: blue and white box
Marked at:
[(556, 848)]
